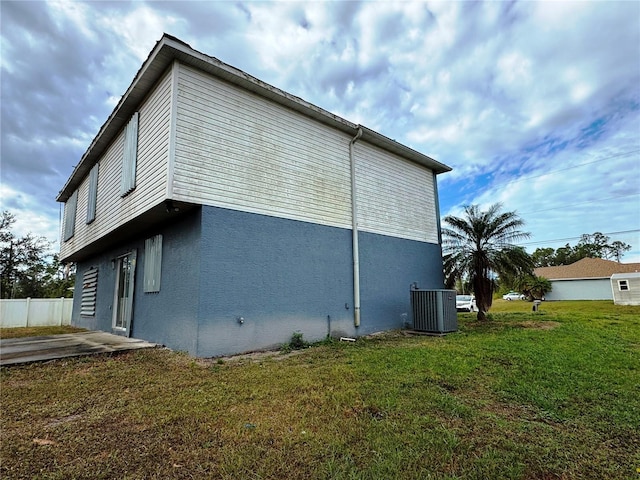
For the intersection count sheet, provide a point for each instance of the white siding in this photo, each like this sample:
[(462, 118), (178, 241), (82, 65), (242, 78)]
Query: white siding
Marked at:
[(395, 197), (112, 210), (630, 296), (586, 289), (240, 151)]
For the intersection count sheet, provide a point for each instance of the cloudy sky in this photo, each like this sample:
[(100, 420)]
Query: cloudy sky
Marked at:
[(536, 105)]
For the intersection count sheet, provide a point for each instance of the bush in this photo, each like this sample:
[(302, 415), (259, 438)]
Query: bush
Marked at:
[(296, 343)]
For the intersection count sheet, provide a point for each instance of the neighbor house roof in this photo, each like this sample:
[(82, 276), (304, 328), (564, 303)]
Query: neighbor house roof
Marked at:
[(586, 268), (169, 49)]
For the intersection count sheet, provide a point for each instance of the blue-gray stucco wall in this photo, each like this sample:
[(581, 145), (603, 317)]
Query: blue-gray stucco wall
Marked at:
[(388, 268), (280, 276), (168, 317)]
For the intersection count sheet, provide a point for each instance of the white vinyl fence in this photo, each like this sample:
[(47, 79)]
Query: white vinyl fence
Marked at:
[(35, 312)]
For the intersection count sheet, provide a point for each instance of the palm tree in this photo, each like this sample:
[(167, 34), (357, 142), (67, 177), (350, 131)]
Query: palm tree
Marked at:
[(481, 245), (533, 287)]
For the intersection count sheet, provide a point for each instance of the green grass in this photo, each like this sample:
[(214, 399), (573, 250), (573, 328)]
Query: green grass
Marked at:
[(37, 331), (553, 394)]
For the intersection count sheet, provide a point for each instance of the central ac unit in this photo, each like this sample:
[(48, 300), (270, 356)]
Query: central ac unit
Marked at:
[(434, 311)]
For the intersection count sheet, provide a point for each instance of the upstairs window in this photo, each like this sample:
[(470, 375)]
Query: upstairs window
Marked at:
[(70, 216), (623, 285), (129, 158), (93, 193), (152, 263)]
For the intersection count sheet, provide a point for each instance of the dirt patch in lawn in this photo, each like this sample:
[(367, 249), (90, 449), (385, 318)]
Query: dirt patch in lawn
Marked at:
[(539, 325), (250, 357)]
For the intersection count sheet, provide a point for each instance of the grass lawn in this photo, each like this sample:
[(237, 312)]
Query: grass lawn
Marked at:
[(38, 331), (547, 395)]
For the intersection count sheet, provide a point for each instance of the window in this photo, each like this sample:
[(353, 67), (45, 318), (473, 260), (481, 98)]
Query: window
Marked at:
[(152, 263), (70, 216), (89, 291), (129, 157), (93, 193), (623, 285)]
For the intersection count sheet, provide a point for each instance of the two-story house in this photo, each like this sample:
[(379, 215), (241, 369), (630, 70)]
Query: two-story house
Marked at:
[(216, 214)]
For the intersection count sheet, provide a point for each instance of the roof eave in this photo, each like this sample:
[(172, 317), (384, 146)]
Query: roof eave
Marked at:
[(577, 278), (168, 49), (142, 82), (392, 146)]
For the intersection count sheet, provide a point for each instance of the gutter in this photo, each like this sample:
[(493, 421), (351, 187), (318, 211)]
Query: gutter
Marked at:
[(354, 232)]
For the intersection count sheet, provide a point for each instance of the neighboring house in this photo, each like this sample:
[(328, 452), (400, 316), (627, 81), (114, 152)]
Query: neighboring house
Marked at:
[(215, 214), (586, 279), (626, 288)]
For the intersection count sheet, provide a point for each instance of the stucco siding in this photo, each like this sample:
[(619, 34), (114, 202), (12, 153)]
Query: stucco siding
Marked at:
[(594, 289), (240, 151), (388, 268), (279, 275), (112, 210), (168, 317)]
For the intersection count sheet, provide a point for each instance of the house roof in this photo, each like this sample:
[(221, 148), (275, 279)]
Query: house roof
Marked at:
[(586, 268), (166, 51)]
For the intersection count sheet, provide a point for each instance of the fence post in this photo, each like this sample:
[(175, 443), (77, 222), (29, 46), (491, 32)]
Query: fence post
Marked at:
[(27, 312), (61, 309)]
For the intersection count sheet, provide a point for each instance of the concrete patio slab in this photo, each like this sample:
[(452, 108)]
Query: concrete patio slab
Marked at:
[(38, 349)]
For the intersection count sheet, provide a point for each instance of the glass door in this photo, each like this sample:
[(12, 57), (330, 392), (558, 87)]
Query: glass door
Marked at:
[(123, 301)]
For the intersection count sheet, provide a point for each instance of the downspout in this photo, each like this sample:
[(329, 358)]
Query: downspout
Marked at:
[(439, 223), (354, 232)]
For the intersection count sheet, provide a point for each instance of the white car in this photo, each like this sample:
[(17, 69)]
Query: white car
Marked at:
[(466, 303), (513, 296)]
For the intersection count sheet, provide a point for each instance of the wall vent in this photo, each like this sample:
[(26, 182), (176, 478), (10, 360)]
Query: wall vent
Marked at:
[(434, 311)]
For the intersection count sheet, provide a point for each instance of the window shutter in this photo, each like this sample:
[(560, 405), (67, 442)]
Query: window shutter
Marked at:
[(70, 216), (93, 193), (89, 291), (129, 158), (152, 263)]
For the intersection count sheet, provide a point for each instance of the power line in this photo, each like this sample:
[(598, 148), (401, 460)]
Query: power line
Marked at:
[(576, 238)]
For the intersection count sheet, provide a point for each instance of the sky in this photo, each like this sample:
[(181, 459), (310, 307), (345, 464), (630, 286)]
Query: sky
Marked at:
[(533, 104)]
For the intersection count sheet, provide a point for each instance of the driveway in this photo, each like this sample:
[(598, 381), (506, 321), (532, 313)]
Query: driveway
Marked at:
[(38, 349)]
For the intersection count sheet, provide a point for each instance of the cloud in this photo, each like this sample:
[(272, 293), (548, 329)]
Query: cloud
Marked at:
[(501, 91)]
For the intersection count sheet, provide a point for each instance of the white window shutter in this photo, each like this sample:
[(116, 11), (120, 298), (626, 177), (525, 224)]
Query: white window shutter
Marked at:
[(129, 158)]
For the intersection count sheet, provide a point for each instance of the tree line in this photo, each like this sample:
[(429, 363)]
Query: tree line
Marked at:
[(595, 245), (28, 268)]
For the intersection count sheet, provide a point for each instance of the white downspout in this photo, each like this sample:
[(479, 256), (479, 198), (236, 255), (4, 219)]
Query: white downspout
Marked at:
[(354, 231)]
